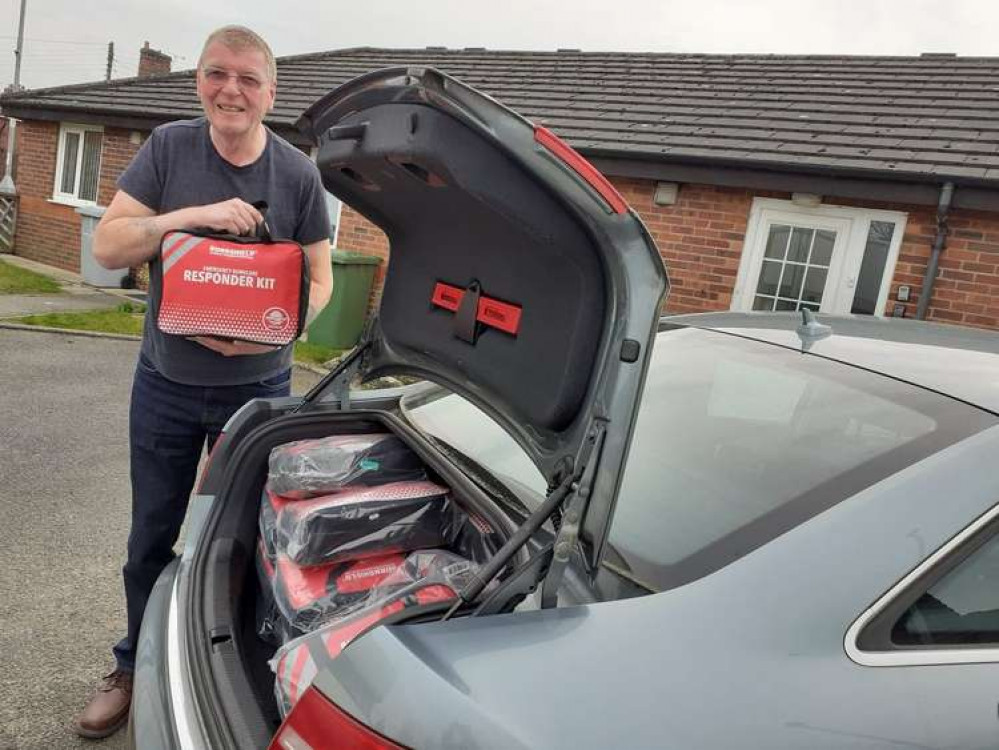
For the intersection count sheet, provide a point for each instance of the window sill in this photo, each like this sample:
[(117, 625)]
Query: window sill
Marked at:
[(72, 202)]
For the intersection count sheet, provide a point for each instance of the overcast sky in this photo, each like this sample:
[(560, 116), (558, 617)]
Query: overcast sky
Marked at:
[(66, 40)]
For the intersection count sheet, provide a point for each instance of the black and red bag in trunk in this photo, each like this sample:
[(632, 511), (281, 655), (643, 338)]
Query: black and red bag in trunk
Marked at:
[(309, 468), (308, 597), (360, 522), (237, 288), (425, 577)]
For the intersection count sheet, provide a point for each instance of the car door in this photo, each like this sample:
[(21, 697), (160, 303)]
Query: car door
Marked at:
[(935, 638)]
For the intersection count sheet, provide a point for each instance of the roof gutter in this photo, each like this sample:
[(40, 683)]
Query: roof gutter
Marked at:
[(939, 243), (908, 188)]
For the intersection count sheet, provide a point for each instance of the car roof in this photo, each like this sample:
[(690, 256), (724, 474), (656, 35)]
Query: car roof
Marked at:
[(960, 362)]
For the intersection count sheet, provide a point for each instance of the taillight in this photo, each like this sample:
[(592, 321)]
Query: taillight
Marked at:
[(317, 724), (583, 168)]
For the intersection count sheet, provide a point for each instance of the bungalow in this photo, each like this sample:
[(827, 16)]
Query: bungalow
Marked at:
[(866, 185)]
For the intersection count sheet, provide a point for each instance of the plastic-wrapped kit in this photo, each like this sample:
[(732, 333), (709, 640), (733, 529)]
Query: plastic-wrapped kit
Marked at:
[(360, 522), (308, 468), (425, 577), (309, 597), (297, 599), (272, 626)]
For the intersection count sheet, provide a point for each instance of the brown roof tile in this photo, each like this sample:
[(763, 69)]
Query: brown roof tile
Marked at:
[(924, 117)]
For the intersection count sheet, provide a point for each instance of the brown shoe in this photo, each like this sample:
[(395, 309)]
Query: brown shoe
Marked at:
[(107, 710)]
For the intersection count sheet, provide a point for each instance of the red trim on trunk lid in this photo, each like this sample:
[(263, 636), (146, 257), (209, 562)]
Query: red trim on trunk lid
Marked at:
[(573, 159)]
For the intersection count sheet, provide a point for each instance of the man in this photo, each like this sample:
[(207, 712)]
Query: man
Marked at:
[(200, 173)]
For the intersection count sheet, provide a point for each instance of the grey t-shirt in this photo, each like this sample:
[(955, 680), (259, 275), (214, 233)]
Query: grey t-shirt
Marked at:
[(178, 167)]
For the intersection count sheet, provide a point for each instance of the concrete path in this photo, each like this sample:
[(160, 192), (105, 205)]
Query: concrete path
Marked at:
[(75, 296), (65, 498)]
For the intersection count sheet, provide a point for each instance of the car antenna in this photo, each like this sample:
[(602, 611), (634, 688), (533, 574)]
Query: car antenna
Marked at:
[(811, 330)]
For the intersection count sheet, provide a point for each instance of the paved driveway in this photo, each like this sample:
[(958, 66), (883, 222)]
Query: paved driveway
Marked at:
[(64, 500)]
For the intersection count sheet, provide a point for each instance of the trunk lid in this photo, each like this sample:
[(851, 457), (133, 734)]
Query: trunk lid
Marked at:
[(518, 278)]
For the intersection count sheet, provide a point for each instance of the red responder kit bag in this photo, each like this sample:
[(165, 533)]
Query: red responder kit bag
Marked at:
[(424, 577), (252, 288)]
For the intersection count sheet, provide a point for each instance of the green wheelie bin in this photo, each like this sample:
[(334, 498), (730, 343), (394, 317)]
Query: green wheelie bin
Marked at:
[(340, 324)]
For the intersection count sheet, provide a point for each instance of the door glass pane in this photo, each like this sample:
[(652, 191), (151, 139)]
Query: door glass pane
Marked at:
[(797, 276), (963, 608), (806, 306), (90, 169), (790, 284), (822, 247), (872, 268), (777, 241), (815, 282), (70, 149), (801, 242), (769, 276)]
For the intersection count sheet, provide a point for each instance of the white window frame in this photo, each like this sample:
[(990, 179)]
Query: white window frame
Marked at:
[(314, 155), (73, 199), (851, 225), (971, 654)]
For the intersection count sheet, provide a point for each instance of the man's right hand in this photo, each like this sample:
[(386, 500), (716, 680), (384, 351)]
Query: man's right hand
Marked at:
[(234, 216), (129, 233)]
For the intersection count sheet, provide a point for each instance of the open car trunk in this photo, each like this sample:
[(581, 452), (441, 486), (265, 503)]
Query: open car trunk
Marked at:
[(236, 600), (519, 280)]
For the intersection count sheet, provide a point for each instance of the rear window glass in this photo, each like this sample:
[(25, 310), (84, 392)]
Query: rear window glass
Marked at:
[(736, 442)]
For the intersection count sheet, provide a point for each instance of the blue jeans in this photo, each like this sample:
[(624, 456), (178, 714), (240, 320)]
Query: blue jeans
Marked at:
[(169, 423)]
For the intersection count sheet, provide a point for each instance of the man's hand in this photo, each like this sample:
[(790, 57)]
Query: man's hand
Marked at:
[(235, 216), (129, 233), (232, 348)]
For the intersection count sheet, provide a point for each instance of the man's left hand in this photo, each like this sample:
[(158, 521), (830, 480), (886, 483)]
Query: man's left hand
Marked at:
[(233, 348)]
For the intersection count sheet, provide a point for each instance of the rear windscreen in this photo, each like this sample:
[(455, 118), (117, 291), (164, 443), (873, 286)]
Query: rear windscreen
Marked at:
[(737, 442)]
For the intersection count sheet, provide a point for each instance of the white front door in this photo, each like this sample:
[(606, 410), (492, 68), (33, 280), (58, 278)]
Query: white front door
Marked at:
[(825, 258)]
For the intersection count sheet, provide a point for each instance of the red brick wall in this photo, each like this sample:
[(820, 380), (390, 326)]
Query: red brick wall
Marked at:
[(46, 232), (117, 151), (50, 232), (701, 239), (152, 62), (4, 124), (36, 157), (357, 234), (966, 290)]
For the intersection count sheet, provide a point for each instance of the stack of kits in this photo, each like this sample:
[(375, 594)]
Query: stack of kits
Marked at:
[(352, 530)]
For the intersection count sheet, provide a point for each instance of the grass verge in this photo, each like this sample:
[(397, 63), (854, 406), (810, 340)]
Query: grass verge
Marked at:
[(127, 318), (315, 354), (16, 280)]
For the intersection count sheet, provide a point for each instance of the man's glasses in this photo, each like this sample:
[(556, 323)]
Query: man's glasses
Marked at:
[(245, 81)]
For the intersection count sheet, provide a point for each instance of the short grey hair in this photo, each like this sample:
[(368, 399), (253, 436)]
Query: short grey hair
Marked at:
[(239, 37)]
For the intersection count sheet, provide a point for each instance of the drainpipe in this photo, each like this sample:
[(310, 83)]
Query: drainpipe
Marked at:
[(939, 243)]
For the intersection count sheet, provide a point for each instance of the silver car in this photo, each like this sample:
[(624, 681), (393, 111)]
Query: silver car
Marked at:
[(717, 531)]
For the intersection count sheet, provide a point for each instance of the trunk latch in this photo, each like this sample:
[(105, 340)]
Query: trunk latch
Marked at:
[(465, 321), (473, 310)]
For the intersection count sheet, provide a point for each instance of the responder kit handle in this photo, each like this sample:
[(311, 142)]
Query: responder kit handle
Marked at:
[(263, 231)]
